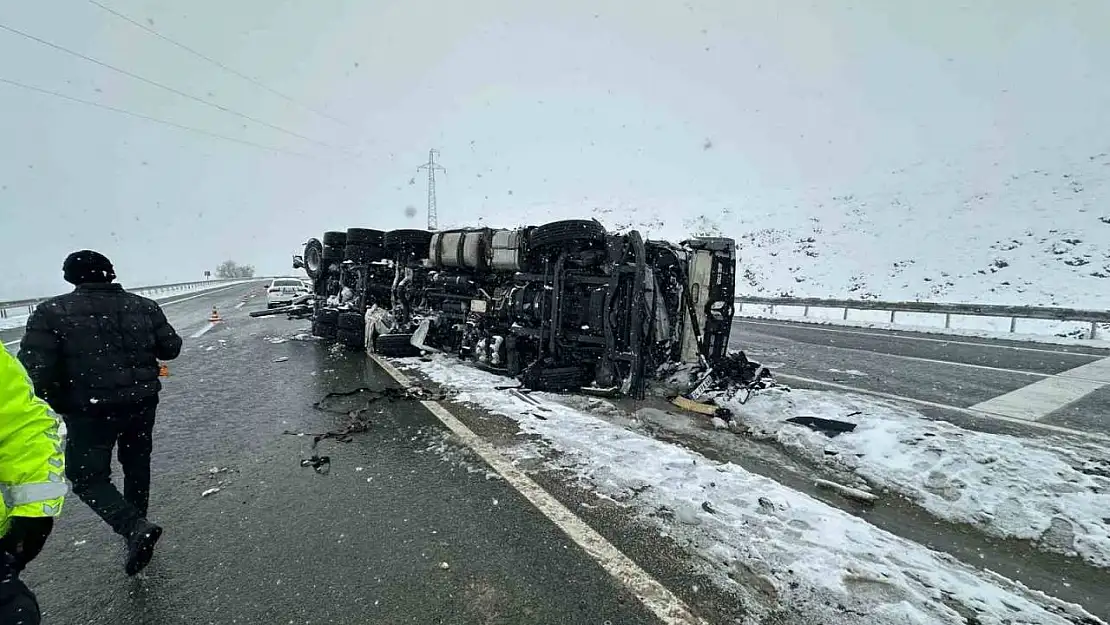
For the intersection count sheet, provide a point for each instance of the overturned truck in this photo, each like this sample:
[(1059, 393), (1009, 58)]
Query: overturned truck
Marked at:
[(566, 305)]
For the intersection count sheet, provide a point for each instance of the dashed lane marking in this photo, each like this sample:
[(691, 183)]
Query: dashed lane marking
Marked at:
[(972, 412), (653, 595), (239, 305), (199, 333)]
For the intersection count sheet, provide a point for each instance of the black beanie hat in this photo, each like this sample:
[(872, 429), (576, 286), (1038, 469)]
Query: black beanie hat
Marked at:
[(88, 266)]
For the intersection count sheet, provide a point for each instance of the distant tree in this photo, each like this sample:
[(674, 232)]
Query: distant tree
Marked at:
[(232, 269)]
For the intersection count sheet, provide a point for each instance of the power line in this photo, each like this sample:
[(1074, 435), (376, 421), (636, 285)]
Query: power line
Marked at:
[(213, 61), (149, 118), (160, 85)]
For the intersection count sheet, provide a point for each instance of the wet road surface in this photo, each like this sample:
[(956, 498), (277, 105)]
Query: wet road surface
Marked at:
[(394, 533), (948, 376)]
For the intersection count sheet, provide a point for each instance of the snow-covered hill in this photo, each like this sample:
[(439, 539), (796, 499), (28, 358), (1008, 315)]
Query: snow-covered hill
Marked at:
[(995, 231)]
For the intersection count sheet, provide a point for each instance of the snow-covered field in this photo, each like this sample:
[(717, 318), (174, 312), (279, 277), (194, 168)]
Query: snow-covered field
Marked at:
[(996, 230), (1056, 493), (787, 552)]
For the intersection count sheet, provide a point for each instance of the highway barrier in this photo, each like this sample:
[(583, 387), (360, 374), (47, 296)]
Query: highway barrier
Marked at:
[(18, 308), (909, 313)]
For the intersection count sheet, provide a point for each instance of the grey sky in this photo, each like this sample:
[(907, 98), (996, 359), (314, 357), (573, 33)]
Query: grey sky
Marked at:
[(554, 102)]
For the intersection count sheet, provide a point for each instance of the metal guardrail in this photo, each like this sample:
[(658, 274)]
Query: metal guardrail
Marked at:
[(26, 306), (1093, 317)]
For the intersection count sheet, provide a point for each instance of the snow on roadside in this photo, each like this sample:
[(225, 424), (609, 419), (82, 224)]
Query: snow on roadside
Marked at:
[(1007, 486), (789, 553)]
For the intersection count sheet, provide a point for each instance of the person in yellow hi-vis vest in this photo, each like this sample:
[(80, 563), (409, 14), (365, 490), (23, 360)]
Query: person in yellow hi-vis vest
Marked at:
[(32, 483)]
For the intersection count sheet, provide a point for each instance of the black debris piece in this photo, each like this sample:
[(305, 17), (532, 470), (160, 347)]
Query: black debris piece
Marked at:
[(829, 427)]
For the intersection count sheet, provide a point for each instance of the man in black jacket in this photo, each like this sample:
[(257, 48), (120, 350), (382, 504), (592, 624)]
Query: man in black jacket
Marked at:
[(93, 355)]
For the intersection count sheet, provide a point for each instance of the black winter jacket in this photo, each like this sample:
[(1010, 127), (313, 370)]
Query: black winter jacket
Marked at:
[(97, 345)]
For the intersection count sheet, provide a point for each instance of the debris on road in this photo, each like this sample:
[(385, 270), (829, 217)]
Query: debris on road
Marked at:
[(829, 427), (281, 359), (274, 340), (210, 492), (861, 496), (444, 566), (321, 464)]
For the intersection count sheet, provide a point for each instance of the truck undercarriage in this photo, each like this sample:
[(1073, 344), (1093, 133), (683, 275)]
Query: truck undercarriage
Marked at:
[(562, 306)]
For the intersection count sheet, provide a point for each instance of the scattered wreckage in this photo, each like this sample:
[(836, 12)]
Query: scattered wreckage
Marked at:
[(563, 306)]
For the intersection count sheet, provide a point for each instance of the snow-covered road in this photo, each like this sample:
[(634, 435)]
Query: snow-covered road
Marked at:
[(781, 550)]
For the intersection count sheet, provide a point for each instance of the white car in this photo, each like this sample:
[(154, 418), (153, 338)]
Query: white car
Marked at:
[(282, 291)]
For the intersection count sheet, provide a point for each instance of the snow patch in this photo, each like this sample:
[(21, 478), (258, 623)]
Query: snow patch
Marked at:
[(786, 550), (1046, 490)]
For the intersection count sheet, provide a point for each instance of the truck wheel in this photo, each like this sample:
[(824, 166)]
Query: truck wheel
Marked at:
[(331, 254), (363, 254), (364, 237), (348, 320), (568, 231), (414, 242), (335, 239), (322, 328), (395, 346), (313, 258), (353, 339)]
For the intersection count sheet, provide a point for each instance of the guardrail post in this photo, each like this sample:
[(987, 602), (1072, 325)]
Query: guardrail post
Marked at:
[(947, 321), (805, 311), (845, 314), (1013, 325), (772, 309), (1094, 330), (740, 308), (892, 315)]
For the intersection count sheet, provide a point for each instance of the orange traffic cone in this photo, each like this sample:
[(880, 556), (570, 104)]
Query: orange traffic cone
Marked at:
[(163, 370), (214, 317)]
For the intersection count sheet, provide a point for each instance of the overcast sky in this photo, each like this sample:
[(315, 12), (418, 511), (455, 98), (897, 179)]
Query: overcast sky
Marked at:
[(530, 103)]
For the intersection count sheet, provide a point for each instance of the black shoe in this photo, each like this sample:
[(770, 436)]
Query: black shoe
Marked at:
[(140, 545)]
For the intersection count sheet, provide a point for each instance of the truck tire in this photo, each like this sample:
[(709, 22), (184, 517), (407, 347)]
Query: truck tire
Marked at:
[(364, 237), (363, 254), (568, 231), (554, 379), (335, 239), (323, 325), (313, 258), (395, 346), (330, 255), (353, 339), (415, 242), (349, 320)]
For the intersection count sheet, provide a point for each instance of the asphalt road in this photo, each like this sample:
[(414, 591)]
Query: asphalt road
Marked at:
[(950, 378), (405, 528)]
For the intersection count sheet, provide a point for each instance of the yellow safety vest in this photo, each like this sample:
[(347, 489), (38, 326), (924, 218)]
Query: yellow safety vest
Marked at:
[(32, 449)]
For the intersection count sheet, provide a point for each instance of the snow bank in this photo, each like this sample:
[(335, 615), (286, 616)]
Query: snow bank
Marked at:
[(790, 553), (1007, 486)]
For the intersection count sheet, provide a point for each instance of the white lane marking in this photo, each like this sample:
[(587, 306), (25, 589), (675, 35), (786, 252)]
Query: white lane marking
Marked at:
[(1044, 397), (11, 343), (973, 412), (199, 333), (823, 328), (655, 596), (239, 305)]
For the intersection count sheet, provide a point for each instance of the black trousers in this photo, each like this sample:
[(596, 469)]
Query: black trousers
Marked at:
[(18, 605), (91, 435)]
